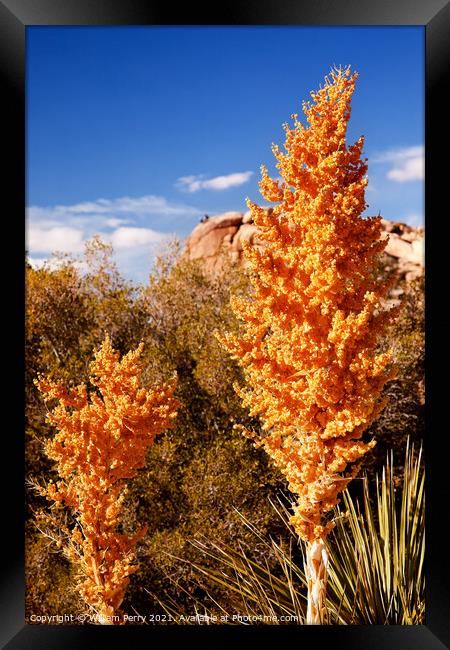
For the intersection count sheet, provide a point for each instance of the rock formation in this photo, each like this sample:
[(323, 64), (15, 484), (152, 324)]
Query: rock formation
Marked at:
[(222, 236)]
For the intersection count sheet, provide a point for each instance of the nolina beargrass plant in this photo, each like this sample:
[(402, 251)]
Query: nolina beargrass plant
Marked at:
[(101, 441), (311, 327)]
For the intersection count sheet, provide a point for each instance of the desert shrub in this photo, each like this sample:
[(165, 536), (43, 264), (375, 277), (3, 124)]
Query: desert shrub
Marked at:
[(50, 589), (197, 476), (404, 414), (199, 473), (68, 312), (102, 433)]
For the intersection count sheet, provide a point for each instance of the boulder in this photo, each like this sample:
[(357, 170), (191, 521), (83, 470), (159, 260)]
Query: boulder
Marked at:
[(246, 232), (223, 234), (224, 220), (398, 247), (210, 243)]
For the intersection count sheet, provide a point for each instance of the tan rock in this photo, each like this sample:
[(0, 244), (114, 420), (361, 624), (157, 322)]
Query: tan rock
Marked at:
[(387, 225), (397, 247), (228, 219), (411, 236), (221, 221), (413, 273), (223, 235), (210, 244), (246, 232), (418, 246)]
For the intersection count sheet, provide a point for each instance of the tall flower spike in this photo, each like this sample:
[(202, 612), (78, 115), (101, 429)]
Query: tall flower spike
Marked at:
[(311, 328), (101, 442)]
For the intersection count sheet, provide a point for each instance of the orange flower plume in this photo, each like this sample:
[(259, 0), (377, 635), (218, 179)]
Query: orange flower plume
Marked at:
[(311, 327), (101, 441)]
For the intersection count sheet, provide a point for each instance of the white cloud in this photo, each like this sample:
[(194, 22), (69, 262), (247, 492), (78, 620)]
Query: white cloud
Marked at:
[(52, 263), (411, 170), (114, 222), (218, 183), (123, 222), (408, 163), (398, 154), (36, 262), (144, 205), (67, 227), (106, 209), (135, 237), (57, 238)]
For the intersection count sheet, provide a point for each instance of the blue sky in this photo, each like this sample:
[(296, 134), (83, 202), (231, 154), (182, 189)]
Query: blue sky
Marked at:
[(135, 133)]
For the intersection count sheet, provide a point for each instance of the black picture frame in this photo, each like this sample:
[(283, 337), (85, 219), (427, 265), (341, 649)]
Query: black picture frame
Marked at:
[(15, 16)]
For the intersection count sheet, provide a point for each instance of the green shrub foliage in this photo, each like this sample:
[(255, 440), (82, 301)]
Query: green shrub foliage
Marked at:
[(202, 476)]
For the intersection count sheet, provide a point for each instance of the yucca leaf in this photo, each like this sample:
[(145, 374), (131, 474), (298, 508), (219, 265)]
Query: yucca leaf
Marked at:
[(377, 555)]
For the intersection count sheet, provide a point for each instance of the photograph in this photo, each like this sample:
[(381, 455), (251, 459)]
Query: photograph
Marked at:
[(225, 341)]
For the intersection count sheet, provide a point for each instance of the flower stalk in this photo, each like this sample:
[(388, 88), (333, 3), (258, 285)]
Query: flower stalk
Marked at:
[(310, 329), (101, 441), (316, 572)]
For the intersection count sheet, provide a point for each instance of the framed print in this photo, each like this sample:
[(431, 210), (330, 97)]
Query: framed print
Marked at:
[(228, 324)]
